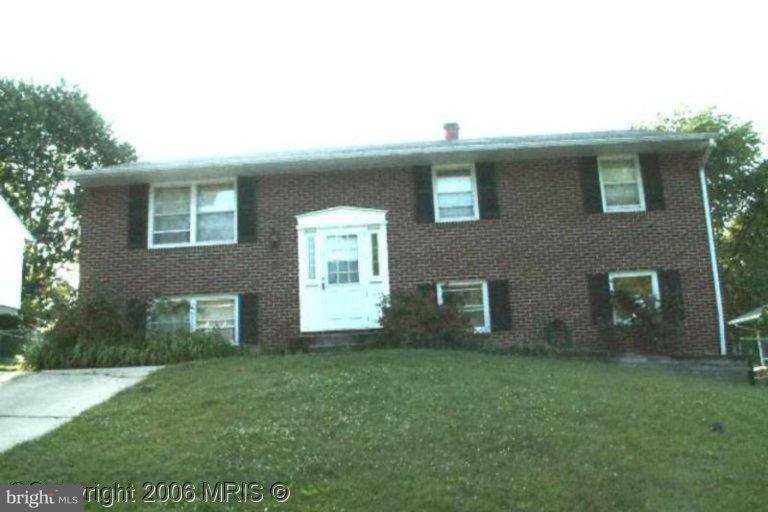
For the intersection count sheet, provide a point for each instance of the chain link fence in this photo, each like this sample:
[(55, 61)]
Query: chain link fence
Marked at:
[(12, 341), (753, 347)]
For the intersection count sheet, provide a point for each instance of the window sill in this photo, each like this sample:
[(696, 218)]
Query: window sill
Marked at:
[(625, 210), (457, 220), (181, 246)]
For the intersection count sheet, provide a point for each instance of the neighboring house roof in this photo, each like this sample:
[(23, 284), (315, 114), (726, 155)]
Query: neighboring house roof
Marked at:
[(409, 153), (7, 310), (7, 212), (749, 316)]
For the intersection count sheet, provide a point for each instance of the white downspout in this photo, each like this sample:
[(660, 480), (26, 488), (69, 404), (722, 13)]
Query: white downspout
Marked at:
[(712, 248)]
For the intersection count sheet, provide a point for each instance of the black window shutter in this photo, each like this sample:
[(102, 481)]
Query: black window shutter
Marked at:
[(137, 315), (600, 298), (590, 185), (653, 184), (671, 295), (249, 308), (427, 290), (501, 310), (246, 209), (486, 190), (138, 214), (425, 208)]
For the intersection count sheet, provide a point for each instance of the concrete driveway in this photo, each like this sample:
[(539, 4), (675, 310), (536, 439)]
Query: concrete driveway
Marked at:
[(33, 404)]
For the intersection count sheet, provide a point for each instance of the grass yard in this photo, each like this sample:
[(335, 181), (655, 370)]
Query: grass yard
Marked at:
[(9, 365), (423, 430)]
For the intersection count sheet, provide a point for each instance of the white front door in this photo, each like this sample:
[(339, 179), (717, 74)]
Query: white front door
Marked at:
[(343, 272), (344, 297)]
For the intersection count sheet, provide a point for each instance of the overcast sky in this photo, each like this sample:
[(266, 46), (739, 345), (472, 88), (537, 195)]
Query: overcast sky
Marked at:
[(185, 79)]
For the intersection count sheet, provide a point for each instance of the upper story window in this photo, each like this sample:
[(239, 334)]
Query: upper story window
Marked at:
[(621, 183), (638, 285), (190, 214), (455, 193)]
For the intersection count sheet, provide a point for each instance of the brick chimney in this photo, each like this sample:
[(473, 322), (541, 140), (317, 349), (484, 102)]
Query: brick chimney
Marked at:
[(451, 131)]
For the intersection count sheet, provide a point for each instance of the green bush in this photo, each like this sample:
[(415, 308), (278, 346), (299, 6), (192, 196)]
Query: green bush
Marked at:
[(168, 348), (186, 346), (558, 335), (11, 342), (97, 318), (416, 320), (650, 326), (99, 332)]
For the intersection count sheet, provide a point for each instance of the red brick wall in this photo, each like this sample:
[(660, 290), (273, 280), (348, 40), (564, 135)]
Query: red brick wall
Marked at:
[(544, 244)]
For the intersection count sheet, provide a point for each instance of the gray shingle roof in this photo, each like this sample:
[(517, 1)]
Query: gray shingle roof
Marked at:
[(409, 153)]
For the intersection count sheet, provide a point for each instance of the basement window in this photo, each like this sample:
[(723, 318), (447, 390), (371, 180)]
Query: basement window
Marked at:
[(204, 313), (471, 297), (640, 285)]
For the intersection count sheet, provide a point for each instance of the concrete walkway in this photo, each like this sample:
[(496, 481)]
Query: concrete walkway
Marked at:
[(33, 404)]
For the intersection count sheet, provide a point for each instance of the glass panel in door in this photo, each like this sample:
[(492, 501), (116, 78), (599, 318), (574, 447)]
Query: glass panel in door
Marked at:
[(342, 259)]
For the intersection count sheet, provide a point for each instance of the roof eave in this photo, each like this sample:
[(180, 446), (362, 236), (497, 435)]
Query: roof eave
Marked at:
[(384, 156)]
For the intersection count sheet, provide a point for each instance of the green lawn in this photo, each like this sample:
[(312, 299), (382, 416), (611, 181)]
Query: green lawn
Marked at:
[(9, 365), (423, 430)]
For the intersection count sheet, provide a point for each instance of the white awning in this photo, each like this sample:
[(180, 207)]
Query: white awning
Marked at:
[(750, 316)]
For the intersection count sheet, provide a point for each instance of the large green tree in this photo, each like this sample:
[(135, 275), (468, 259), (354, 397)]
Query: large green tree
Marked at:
[(744, 250), (46, 130), (737, 178)]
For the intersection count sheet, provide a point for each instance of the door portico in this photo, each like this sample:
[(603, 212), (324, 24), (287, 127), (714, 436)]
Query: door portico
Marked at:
[(343, 268)]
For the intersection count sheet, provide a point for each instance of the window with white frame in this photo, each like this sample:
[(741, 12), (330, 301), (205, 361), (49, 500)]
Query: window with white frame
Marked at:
[(198, 213), (455, 193), (171, 216), (621, 183), (168, 316), (636, 285), (471, 297), (213, 313)]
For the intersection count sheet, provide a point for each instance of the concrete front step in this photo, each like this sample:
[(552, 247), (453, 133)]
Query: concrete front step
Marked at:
[(335, 341)]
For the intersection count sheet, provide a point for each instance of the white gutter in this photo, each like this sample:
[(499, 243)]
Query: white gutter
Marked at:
[(423, 152), (712, 248)]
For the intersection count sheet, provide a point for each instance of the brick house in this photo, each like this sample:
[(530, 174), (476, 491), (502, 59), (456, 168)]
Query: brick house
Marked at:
[(524, 229)]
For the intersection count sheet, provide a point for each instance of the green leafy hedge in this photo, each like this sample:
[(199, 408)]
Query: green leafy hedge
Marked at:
[(99, 331), (416, 320), (170, 348)]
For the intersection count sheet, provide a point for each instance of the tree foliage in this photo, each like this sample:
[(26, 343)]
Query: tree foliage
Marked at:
[(732, 165), (45, 131), (744, 251), (737, 177)]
